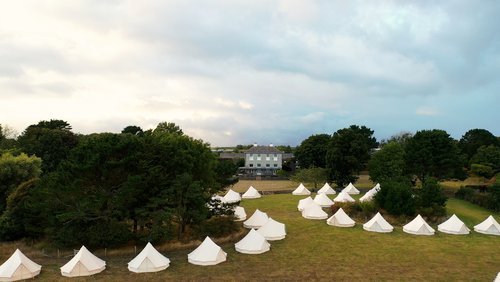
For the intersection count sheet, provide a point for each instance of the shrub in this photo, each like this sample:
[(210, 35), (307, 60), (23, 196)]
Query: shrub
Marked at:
[(396, 197), (431, 194), (216, 227), (482, 170), (464, 193)]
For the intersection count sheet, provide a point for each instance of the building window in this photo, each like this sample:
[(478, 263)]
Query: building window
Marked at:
[(250, 157), (268, 158), (275, 165), (275, 159), (250, 165), (258, 157), (258, 165), (268, 165)]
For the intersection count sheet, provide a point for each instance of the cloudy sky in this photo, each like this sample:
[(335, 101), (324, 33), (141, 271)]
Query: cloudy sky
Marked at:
[(238, 72)]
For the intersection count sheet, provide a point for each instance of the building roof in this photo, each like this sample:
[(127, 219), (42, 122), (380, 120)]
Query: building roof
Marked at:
[(263, 150)]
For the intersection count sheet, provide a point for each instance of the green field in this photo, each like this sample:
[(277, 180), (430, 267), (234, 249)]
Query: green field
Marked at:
[(314, 250)]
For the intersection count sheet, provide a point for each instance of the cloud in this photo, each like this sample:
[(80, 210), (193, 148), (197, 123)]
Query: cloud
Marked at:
[(242, 71), (427, 111)]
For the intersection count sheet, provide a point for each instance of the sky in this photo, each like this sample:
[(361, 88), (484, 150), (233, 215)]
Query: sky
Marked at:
[(257, 71)]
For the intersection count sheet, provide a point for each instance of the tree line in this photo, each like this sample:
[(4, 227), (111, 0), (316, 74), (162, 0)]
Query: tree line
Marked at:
[(400, 163), (106, 189)]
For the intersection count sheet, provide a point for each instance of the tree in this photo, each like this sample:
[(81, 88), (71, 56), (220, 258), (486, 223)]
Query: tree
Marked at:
[(433, 153), (473, 139), (181, 169), (312, 151), (168, 127), (388, 163), (314, 175), (396, 197), (7, 139), (285, 149), (401, 138), (348, 152), (431, 199), (488, 156), (132, 129), (49, 140), (15, 170)]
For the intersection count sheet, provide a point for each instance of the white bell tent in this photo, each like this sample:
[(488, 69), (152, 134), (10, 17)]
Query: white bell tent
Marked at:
[(326, 189), (253, 243), (239, 213), (350, 189), (314, 211), (208, 253), (367, 197), (251, 193), (18, 267), (304, 203), (231, 197), (273, 230), (148, 260), (323, 201), (454, 226), (418, 226), (343, 197), (301, 190), (84, 263), (378, 224), (489, 226), (257, 219), (340, 219)]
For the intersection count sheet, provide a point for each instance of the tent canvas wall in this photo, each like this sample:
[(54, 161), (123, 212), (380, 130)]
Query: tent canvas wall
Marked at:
[(340, 219), (418, 226), (208, 253), (378, 224), (253, 243), (239, 213), (148, 260), (453, 226), (326, 189), (251, 193), (489, 226), (231, 197), (350, 189), (257, 219), (273, 230), (18, 267), (323, 201), (314, 211), (343, 197), (304, 203), (84, 263), (367, 197), (301, 190)]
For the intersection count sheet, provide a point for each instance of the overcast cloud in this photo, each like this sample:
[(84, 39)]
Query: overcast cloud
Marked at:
[(238, 72)]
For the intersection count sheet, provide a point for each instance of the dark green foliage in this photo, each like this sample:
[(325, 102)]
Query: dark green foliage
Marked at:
[(312, 151), (348, 152), (473, 139), (489, 200), (358, 210), (49, 140), (21, 217), (168, 127), (488, 156), (226, 170), (482, 170), (285, 149), (433, 153), (388, 163), (15, 170), (133, 129), (216, 227), (396, 197), (431, 199)]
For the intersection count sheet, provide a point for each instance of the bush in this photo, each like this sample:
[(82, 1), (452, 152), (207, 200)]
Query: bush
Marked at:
[(216, 227), (358, 210), (431, 194), (490, 200), (482, 170), (396, 197)]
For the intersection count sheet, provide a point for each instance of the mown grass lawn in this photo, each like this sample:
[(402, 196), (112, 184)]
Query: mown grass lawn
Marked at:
[(314, 250)]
